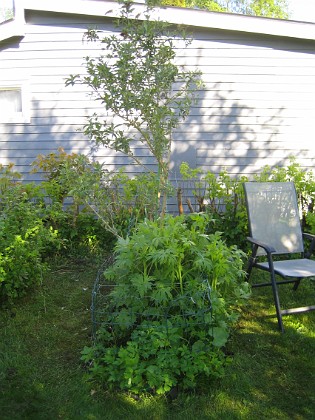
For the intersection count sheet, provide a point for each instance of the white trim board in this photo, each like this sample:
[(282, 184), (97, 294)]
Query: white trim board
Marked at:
[(187, 17)]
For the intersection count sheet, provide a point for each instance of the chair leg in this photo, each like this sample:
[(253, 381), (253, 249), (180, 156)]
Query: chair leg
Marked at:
[(296, 284), (275, 292), (249, 269), (251, 262), (277, 301)]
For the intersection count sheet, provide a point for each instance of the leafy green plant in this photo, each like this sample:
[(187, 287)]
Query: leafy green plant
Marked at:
[(120, 201), (90, 206), (173, 299), (24, 240), (268, 8), (222, 197), (56, 167), (8, 177), (70, 182)]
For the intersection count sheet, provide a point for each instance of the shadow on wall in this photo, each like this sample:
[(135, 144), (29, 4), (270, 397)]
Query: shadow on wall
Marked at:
[(48, 130), (256, 108), (226, 133), (221, 132)]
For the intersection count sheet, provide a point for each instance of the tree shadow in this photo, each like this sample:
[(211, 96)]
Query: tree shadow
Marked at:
[(22, 143)]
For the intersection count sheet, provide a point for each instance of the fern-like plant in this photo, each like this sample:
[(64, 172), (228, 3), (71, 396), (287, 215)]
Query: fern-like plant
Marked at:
[(174, 291)]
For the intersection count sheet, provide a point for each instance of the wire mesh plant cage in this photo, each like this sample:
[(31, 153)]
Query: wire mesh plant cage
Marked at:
[(100, 296), (190, 313)]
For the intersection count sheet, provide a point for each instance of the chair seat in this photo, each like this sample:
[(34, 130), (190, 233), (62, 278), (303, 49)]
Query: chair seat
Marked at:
[(293, 268)]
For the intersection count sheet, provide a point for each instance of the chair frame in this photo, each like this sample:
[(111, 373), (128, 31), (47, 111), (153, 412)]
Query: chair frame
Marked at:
[(270, 252)]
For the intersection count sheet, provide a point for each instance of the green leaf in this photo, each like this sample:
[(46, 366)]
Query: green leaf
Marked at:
[(220, 336)]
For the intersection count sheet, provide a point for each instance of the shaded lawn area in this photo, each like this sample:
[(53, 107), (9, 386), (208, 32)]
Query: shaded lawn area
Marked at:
[(271, 376)]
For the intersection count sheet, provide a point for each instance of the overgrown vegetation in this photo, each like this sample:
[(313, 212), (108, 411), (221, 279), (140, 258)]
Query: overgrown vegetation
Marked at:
[(164, 267), (175, 296), (177, 285), (93, 196), (175, 281), (24, 239)]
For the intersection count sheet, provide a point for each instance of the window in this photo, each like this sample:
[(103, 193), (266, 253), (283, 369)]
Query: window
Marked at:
[(11, 100), (14, 104)]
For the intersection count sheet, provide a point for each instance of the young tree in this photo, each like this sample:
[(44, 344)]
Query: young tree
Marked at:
[(145, 94)]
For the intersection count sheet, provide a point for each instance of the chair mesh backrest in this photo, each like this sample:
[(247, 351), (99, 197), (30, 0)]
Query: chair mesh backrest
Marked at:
[(274, 216)]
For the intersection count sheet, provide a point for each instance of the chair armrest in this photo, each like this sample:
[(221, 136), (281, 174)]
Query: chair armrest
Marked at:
[(311, 248), (308, 236), (269, 249)]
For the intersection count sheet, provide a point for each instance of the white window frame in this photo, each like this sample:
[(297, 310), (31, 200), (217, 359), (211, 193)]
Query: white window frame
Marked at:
[(23, 117)]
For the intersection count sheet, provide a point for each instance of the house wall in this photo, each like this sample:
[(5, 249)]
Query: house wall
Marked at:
[(257, 107), (52, 49), (258, 104)]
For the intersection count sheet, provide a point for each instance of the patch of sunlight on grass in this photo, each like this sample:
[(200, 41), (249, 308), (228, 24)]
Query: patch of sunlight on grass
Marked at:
[(300, 325), (149, 404), (241, 406)]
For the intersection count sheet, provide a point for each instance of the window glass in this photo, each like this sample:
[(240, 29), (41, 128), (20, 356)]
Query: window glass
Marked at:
[(10, 101), (15, 103)]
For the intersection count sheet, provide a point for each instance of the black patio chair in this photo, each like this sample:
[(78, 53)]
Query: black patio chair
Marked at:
[(275, 231)]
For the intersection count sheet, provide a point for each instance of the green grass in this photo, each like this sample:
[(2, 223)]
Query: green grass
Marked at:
[(271, 375)]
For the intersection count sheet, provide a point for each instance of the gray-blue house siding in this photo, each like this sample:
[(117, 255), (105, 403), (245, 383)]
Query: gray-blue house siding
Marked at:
[(257, 106)]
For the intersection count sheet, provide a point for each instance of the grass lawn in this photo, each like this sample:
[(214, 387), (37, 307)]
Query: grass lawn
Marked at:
[(272, 375)]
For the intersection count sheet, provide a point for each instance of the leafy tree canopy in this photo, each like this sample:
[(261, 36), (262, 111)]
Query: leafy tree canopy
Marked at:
[(266, 8)]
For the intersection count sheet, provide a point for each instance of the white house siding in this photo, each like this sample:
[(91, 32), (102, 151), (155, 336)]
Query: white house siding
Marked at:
[(257, 107)]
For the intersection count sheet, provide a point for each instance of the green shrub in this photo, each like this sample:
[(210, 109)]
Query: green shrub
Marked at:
[(222, 198), (90, 206), (173, 300), (71, 183), (79, 238), (23, 239)]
